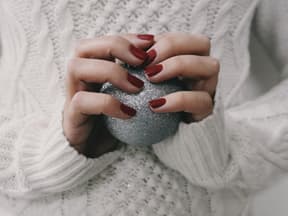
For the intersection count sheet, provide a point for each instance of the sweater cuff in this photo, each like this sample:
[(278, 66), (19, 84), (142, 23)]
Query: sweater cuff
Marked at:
[(49, 163), (198, 151)]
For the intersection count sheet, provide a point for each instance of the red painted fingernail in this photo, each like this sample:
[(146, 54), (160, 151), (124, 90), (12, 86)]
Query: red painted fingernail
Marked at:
[(157, 102), (135, 81), (138, 53), (153, 70), (127, 110), (151, 56), (148, 37)]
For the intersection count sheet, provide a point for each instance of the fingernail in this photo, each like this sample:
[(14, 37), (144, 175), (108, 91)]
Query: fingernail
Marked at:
[(157, 102), (148, 37), (127, 110), (138, 53), (135, 81), (151, 56), (153, 70)]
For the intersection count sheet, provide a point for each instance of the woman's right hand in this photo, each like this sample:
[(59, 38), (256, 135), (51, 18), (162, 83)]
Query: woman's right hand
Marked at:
[(94, 64)]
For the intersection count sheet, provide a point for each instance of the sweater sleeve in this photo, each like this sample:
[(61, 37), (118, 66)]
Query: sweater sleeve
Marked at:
[(245, 146), (35, 156), (36, 159)]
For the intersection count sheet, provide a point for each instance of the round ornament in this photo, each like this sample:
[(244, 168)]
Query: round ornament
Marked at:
[(146, 127)]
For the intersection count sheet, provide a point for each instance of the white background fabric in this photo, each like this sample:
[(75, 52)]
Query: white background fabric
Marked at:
[(272, 201)]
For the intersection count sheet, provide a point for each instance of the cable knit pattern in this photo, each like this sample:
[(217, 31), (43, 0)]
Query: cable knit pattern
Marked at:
[(206, 168)]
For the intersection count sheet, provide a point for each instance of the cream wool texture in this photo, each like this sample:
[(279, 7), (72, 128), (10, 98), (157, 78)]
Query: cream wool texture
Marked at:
[(211, 167)]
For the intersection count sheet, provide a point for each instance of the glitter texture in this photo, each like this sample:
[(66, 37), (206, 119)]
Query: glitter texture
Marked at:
[(146, 127)]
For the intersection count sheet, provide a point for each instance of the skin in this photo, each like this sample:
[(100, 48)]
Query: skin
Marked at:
[(182, 55)]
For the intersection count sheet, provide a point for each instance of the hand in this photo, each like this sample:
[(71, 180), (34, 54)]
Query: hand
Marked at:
[(93, 65), (186, 57)]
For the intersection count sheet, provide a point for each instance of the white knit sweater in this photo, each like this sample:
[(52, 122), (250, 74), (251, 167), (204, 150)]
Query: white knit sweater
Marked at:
[(211, 167)]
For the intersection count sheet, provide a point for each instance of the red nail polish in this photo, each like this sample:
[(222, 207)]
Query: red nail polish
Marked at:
[(148, 37), (157, 102), (138, 53), (127, 110), (153, 70), (135, 81), (151, 56)]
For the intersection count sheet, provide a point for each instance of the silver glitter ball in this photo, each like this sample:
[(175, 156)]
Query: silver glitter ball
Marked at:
[(147, 127)]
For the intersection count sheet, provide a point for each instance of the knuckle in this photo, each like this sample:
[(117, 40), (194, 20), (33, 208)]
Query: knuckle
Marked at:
[(115, 39), (170, 41), (77, 100), (165, 34), (128, 36), (169, 37), (206, 101), (116, 70), (182, 97), (206, 42), (215, 65), (109, 76), (72, 65), (79, 47), (107, 101), (178, 63)]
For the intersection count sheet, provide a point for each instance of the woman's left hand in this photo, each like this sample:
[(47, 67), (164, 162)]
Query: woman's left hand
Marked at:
[(187, 57)]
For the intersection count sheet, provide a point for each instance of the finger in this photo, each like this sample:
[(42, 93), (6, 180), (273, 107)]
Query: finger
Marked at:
[(142, 41), (84, 104), (101, 71), (172, 44), (205, 85), (186, 66), (110, 47), (199, 104), (198, 72)]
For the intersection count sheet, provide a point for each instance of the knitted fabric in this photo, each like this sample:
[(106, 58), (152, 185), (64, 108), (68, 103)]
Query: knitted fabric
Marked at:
[(136, 184), (206, 168)]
